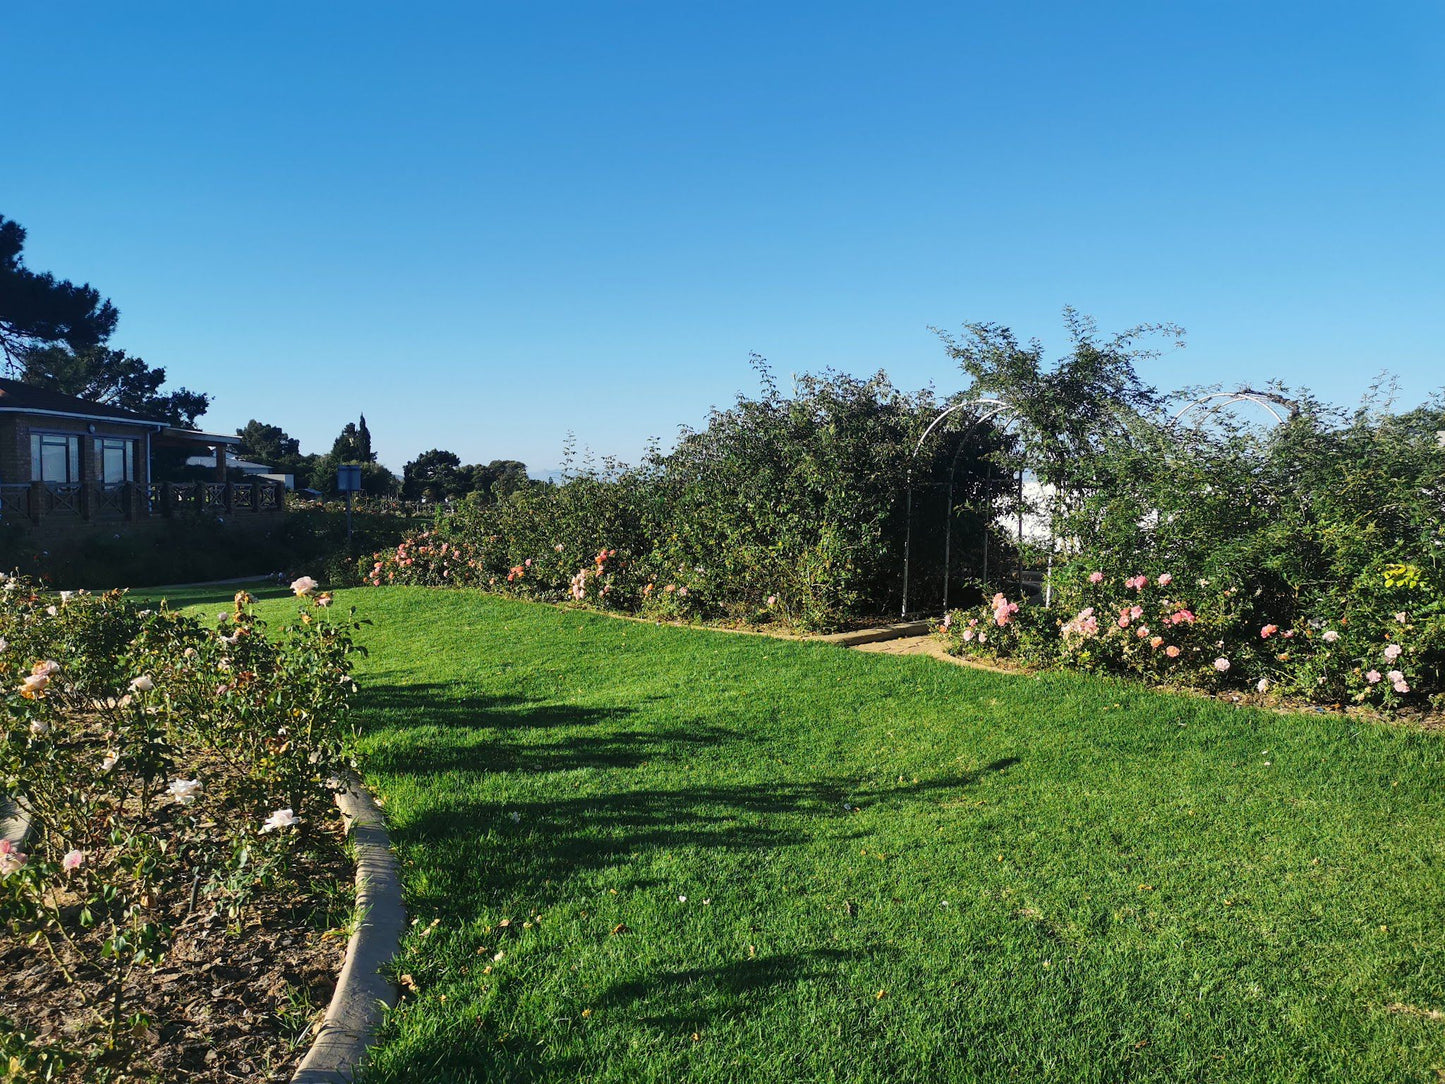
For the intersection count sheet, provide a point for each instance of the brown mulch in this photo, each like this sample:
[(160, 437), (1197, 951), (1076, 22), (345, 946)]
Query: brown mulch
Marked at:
[(225, 1004)]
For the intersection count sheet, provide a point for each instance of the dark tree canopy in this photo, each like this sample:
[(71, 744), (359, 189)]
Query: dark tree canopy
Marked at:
[(37, 309), (435, 475), (499, 477), (363, 442), (439, 474), (353, 445), (103, 375), (53, 334), (267, 442)]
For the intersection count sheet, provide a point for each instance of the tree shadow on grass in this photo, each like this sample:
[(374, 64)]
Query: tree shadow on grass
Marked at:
[(395, 708), (479, 851), (689, 999), (678, 1003), (509, 734), (478, 841)]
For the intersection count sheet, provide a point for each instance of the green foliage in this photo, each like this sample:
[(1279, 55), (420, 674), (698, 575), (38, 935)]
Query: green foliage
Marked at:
[(1069, 408), (113, 377), (1327, 528), (376, 480), (166, 767), (353, 445), (432, 476), (53, 335), (37, 309), (439, 475), (784, 506), (268, 443), (272, 445)]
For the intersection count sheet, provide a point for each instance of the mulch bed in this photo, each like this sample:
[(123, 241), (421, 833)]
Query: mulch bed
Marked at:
[(225, 1004)]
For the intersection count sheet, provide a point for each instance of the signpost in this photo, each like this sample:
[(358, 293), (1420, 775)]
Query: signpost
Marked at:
[(348, 480)]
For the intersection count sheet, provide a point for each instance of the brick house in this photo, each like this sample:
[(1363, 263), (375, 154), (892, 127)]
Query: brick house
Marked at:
[(67, 459)]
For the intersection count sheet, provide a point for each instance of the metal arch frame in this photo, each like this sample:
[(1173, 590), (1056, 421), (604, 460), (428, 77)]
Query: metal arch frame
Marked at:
[(998, 407), (1230, 398)]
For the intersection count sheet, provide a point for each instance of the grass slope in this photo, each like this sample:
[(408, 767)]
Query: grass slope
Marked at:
[(893, 869)]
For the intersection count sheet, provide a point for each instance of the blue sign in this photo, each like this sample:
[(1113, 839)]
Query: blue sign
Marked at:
[(348, 478)]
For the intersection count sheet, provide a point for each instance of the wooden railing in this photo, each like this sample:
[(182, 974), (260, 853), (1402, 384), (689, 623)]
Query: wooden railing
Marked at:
[(39, 502)]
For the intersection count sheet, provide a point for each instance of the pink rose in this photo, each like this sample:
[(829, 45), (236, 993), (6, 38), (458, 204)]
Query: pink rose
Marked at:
[(1165, 580), (1096, 577)]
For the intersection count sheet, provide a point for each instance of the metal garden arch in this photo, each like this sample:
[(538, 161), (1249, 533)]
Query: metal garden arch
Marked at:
[(992, 408)]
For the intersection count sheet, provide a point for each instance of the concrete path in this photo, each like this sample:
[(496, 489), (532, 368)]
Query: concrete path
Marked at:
[(909, 645)]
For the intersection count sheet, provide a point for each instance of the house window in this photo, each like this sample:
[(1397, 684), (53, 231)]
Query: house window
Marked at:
[(114, 459), (54, 457)]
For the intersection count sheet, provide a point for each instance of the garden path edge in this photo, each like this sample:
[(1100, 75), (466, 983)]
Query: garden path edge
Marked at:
[(363, 994)]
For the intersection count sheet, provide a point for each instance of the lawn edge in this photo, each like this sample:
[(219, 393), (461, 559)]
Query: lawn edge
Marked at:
[(363, 994)]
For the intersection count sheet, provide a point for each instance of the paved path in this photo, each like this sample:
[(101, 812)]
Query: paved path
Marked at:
[(911, 645)]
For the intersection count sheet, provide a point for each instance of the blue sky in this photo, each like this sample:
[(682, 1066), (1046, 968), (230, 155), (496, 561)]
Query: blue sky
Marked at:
[(487, 225)]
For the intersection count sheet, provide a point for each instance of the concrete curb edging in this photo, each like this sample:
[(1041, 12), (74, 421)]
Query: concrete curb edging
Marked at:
[(362, 994), (15, 824)]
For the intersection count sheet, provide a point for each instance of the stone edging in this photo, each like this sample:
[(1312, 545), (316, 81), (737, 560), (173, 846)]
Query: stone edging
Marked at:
[(362, 994)]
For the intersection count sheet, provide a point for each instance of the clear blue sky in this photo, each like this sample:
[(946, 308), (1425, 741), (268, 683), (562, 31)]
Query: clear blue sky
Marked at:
[(485, 225)]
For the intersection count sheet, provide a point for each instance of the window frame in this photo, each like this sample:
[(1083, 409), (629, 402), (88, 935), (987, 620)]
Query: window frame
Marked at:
[(39, 438), (127, 449)]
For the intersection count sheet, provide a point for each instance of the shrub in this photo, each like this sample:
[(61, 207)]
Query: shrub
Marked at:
[(166, 769), (800, 499)]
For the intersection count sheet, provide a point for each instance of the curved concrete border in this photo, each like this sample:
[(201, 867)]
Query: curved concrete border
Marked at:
[(15, 824), (362, 994)]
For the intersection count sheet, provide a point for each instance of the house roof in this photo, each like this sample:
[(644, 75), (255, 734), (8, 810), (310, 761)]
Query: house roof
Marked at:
[(17, 397), (20, 398)]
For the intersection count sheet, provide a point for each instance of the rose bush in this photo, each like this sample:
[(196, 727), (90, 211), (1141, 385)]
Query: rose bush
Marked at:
[(168, 771), (1215, 636)]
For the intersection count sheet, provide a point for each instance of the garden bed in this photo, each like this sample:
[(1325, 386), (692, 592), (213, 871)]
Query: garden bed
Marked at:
[(227, 1003), (178, 906)]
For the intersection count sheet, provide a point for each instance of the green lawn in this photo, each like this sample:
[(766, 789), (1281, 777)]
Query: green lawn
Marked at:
[(643, 853)]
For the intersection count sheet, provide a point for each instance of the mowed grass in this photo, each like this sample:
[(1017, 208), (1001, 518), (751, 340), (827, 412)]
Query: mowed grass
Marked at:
[(637, 853)]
